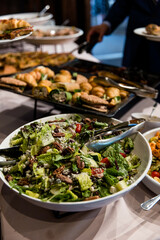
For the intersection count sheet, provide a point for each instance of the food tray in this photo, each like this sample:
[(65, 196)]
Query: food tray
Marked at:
[(16, 62), (71, 108), (76, 66)]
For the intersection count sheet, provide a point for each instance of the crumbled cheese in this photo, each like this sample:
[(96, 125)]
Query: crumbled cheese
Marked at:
[(113, 189)]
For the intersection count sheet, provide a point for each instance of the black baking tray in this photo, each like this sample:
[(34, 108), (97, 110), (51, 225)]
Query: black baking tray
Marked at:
[(132, 74), (86, 68)]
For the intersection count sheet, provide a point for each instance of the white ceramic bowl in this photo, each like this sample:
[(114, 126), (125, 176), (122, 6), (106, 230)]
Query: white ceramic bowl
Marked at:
[(141, 149), (153, 185), (150, 123), (54, 39)]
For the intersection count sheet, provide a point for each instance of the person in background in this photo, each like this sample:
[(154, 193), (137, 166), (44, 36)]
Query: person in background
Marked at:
[(139, 52)]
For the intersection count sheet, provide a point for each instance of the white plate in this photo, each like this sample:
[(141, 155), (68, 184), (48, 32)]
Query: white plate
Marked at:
[(142, 32), (31, 17), (15, 39), (150, 123), (141, 149), (55, 39), (153, 185)]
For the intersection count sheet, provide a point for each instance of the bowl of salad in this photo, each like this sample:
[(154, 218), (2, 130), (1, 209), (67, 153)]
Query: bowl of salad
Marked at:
[(152, 179), (56, 170)]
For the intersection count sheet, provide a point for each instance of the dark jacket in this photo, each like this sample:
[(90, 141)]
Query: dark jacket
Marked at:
[(138, 51)]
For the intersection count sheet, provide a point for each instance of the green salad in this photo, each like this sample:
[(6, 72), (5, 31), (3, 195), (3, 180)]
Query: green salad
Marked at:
[(56, 166)]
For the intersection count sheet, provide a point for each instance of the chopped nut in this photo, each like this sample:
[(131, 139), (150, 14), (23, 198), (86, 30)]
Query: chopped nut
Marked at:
[(80, 163), (91, 198), (59, 170), (59, 134), (64, 178), (67, 150), (57, 146), (23, 182)]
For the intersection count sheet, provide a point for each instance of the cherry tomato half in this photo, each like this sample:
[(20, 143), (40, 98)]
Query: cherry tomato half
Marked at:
[(155, 174), (78, 128), (97, 172), (123, 154), (106, 161)]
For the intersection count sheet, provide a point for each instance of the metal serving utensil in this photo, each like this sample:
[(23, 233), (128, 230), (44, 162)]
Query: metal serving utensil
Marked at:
[(150, 203), (97, 145), (141, 92), (13, 152), (117, 127), (153, 109), (43, 11), (120, 126), (7, 162), (9, 155)]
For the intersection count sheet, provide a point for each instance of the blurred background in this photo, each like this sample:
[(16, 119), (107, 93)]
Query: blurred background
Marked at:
[(82, 14)]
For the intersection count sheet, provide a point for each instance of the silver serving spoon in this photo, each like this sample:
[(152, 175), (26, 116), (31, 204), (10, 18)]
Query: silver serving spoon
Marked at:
[(42, 12), (150, 203)]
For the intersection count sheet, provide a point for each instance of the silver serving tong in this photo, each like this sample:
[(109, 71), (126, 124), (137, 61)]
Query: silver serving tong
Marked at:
[(11, 151), (9, 155), (120, 126), (146, 91), (97, 145), (117, 127)]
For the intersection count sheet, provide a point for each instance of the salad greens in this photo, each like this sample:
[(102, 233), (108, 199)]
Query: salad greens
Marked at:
[(56, 165)]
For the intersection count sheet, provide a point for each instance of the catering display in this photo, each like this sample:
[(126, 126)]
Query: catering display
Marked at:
[(77, 90), (70, 89), (57, 171), (54, 34), (13, 62), (152, 179)]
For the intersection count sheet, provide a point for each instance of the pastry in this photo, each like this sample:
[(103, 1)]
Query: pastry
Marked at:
[(12, 28), (86, 87), (13, 81), (153, 29), (66, 73), (46, 71), (80, 79), (93, 100), (45, 83), (62, 78), (98, 91), (123, 93), (28, 78), (112, 92)]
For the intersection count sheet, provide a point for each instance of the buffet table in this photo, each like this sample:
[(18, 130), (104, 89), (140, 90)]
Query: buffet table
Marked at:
[(122, 220)]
